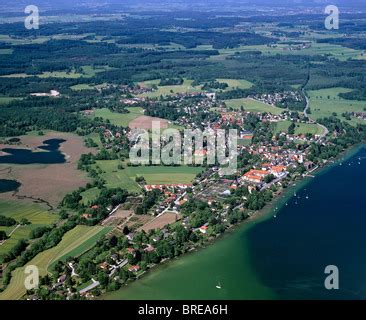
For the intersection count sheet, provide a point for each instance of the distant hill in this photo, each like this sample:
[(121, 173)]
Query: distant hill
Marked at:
[(110, 5)]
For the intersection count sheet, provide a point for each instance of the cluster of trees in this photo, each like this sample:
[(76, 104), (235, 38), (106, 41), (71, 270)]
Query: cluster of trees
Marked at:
[(171, 81), (150, 199), (7, 221), (215, 85)]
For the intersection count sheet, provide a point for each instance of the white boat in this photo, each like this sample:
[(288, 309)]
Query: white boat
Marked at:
[(218, 286)]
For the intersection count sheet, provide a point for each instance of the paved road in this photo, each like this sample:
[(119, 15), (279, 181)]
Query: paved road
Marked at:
[(90, 287)]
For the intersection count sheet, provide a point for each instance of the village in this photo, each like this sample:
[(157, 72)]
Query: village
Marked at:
[(138, 241)]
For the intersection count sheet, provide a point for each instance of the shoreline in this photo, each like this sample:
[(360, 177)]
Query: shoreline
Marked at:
[(257, 217)]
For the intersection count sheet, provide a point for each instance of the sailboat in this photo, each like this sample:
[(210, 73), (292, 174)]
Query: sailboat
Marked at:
[(218, 286)]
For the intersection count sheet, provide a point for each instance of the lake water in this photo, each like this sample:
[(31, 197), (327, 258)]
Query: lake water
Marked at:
[(280, 257), (8, 185), (51, 155)]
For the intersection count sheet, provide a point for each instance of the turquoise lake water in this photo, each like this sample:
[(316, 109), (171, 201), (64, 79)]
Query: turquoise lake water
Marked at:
[(282, 257)]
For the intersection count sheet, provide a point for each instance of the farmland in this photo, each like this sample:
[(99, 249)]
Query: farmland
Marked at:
[(119, 119), (301, 128), (153, 175), (74, 243), (252, 106), (236, 84), (325, 102), (168, 90), (6, 100), (35, 214), (338, 52)]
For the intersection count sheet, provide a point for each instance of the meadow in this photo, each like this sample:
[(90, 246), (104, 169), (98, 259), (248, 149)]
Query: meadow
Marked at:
[(119, 119), (236, 84), (168, 90), (301, 128), (325, 102), (6, 100), (337, 51), (35, 214), (125, 178), (252, 106), (74, 243)]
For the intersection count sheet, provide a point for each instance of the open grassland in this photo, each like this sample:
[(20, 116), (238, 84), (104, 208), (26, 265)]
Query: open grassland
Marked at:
[(337, 51), (6, 100), (301, 128), (90, 195), (325, 102), (19, 41), (60, 74), (74, 243), (236, 84), (33, 212), (153, 174), (252, 106), (119, 119), (17, 210), (86, 72), (186, 87), (80, 87)]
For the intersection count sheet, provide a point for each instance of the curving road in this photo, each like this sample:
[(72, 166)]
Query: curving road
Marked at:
[(307, 107)]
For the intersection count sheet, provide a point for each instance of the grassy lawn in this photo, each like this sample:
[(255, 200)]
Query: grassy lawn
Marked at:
[(168, 90), (75, 242), (301, 128), (80, 87), (326, 101), (252, 106), (236, 84), (60, 74), (154, 175), (37, 215), (16, 75), (6, 100), (90, 195), (244, 142), (337, 51), (119, 119)]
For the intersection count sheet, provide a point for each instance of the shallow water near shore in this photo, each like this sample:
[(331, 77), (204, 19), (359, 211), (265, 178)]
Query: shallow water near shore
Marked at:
[(283, 254)]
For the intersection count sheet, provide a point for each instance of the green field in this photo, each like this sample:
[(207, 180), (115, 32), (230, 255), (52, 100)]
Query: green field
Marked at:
[(326, 101), (252, 106), (87, 72), (301, 128), (168, 90), (90, 195), (74, 243), (37, 215), (153, 175), (80, 87), (337, 51), (119, 119), (236, 84), (6, 100)]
